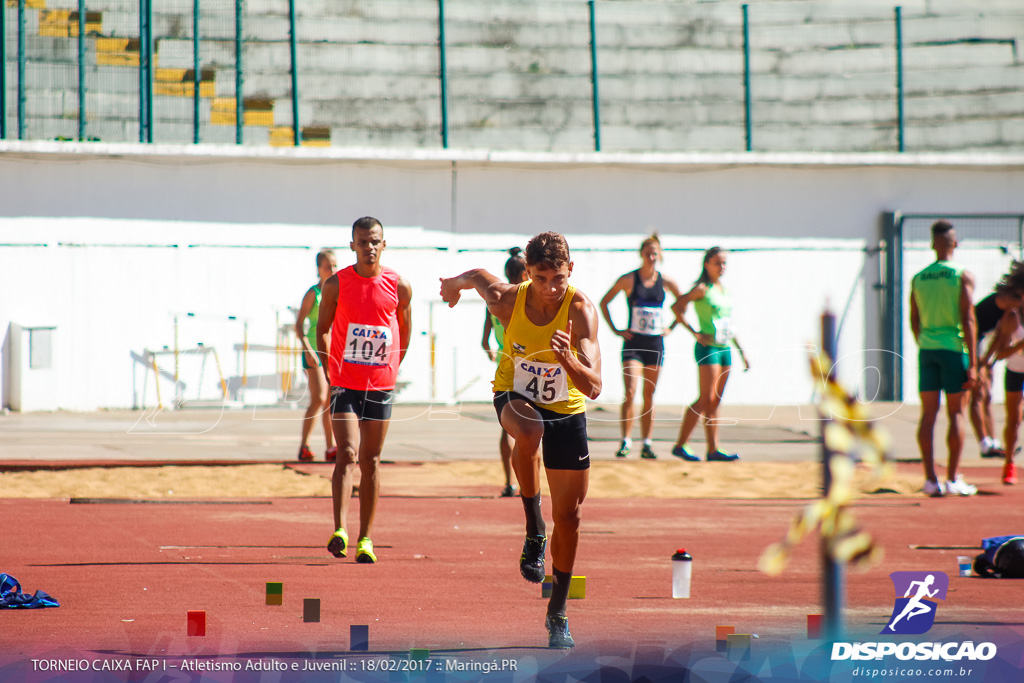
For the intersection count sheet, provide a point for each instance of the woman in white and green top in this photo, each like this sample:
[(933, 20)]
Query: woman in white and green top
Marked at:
[(316, 380), (515, 272), (714, 358)]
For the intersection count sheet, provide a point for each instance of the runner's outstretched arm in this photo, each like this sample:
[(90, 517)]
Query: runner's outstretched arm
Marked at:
[(499, 296)]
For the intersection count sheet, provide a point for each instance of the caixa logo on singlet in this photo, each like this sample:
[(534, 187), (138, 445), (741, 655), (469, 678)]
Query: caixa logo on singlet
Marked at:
[(913, 614)]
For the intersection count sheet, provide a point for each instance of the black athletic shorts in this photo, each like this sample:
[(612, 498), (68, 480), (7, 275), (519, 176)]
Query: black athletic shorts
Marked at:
[(366, 404), (648, 349), (564, 443), (1013, 381)]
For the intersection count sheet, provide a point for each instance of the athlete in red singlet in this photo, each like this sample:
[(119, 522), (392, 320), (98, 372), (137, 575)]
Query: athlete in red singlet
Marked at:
[(369, 329)]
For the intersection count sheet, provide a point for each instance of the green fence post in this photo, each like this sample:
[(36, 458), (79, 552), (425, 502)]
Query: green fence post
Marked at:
[(21, 69), (239, 79), (443, 46), (899, 78), (197, 71), (142, 70), (81, 70), (150, 65), (746, 78), (3, 70), (595, 97), (296, 129)]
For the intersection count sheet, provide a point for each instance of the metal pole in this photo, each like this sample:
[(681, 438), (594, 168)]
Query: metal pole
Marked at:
[(832, 571), (150, 65), (296, 129), (746, 77), (444, 74), (21, 69), (142, 70), (81, 70), (899, 78), (197, 71), (239, 80), (593, 76), (899, 294), (3, 71)]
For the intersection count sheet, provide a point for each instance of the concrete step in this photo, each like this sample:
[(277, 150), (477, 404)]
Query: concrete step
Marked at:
[(855, 85), (677, 138), (995, 136)]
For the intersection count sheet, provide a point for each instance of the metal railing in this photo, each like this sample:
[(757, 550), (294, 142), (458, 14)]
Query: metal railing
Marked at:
[(756, 127)]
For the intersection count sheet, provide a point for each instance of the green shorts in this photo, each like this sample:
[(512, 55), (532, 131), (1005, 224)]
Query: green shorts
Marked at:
[(305, 363), (941, 370), (712, 355)]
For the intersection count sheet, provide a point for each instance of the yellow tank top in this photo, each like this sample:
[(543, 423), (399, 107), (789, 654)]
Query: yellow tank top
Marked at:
[(529, 367)]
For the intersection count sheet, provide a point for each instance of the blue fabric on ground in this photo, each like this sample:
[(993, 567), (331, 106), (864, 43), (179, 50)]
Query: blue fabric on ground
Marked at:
[(11, 596), (991, 545)]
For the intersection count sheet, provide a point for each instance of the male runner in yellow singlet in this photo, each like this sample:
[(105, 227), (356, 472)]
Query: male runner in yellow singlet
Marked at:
[(551, 364)]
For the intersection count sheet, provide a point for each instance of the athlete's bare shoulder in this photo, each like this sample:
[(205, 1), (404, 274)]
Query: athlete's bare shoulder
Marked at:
[(581, 309)]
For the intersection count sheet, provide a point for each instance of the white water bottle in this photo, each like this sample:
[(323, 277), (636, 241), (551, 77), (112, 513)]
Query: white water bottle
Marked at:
[(682, 570)]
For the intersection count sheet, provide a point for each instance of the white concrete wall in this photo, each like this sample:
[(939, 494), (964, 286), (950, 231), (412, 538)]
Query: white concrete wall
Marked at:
[(798, 225)]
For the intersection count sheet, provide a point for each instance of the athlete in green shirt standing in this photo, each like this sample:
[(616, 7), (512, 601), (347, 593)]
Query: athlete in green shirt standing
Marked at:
[(316, 380), (714, 336), (942, 319)]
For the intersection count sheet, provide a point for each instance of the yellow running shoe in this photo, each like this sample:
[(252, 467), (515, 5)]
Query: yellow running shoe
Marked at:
[(364, 551), (338, 545)]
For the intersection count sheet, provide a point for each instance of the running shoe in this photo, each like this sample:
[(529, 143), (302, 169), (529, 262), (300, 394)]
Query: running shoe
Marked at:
[(364, 551), (622, 452), (508, 491), (685, 453), (305, 455), (531, 562), (721, 456), (647, 453), (331, 455), (338, 545), (1009, 474), (558, 632), (994, 452), (933, 489), (959, 487)]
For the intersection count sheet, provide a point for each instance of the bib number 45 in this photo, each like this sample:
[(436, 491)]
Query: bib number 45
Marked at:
[(541, 393), (540, 382)]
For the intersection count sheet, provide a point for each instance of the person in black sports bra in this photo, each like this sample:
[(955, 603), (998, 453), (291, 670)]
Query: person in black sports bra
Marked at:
[(643, 350), (1002, 302)]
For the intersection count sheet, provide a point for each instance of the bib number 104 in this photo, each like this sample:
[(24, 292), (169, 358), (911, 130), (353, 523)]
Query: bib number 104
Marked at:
[(367, 345)]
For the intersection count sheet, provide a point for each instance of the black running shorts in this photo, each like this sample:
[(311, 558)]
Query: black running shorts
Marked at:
[(564, 444), (366, 405), (648, 349), (1013, 381)]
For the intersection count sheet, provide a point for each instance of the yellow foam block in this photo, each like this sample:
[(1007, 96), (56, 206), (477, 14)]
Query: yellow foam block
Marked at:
[(738, 645), (577, 587)]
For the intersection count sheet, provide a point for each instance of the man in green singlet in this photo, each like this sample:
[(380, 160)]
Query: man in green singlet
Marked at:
[(942, 319)]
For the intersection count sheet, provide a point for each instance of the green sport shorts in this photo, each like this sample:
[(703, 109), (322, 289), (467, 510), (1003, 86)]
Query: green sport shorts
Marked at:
[(712, 355), (941, 370)]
